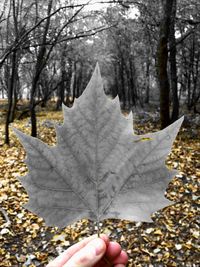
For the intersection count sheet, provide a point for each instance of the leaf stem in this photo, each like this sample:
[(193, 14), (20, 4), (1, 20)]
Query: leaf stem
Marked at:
[(98, 234), (98, 230)]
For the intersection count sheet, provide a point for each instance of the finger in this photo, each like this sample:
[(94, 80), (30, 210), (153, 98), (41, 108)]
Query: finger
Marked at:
[(105, 238), (113, 250), (113, 255), (88, 255), (66, 255), (121, 259)]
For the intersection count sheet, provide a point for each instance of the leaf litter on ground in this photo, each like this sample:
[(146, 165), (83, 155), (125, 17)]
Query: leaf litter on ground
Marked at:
[(170, 241), (28, 241)]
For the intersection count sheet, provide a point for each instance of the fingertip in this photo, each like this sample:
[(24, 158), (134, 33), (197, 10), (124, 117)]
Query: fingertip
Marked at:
[(122, 258), (105, 238), (113, 250), (100, 246)]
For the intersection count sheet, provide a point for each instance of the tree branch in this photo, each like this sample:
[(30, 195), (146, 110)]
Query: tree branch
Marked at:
[(189, 21), (16, 45), (84, 34)]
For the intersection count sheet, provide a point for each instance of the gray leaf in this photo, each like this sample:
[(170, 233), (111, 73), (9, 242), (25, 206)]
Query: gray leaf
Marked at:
[(99, 168)]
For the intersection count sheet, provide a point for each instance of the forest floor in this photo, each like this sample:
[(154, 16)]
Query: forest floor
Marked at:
[(171, 240)]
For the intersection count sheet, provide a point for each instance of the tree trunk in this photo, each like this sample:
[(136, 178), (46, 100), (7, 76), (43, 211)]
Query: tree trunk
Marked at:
[(68, 101), (80, 81), (134, 95), (194, 74), (74, 82), (61, 95), (14, 104), (130, 93), (61, 88), (10, 98), (2, 93), (173, 67), (191, 66), (162, 54), (15, 92), (32, 107), (189, 92), (147, 82), (122, 87), (115, 88), (33, 121), (38, 69)]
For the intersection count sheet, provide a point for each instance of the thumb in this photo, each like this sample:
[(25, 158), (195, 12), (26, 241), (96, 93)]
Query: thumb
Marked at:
[(89, 255)]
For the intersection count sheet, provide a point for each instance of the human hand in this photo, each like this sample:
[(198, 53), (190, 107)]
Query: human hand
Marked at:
[(92, 252)]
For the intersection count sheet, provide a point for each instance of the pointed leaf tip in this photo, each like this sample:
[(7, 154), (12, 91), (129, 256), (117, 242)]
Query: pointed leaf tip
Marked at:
[(97, 73), (97, 69)]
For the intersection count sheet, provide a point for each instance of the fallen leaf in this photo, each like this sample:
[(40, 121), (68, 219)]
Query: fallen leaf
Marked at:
[(178, 246)]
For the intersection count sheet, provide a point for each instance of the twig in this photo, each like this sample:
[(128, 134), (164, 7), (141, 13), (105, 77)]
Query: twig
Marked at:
[(8, 222)]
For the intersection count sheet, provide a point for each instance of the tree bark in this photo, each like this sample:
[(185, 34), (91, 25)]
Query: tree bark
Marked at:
[(162, 55), (122, 84), (15, 90), (147, 82), (173, 67), (11, 79), (10, 98), (74, 91), (38, 69), (62, 87), (189, 76), (195, 82)]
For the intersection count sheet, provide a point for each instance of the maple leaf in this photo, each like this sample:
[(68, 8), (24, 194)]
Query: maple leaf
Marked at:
[(98, 169)]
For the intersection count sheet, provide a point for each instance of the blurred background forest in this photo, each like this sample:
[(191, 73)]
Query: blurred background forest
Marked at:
[(148, 51)]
